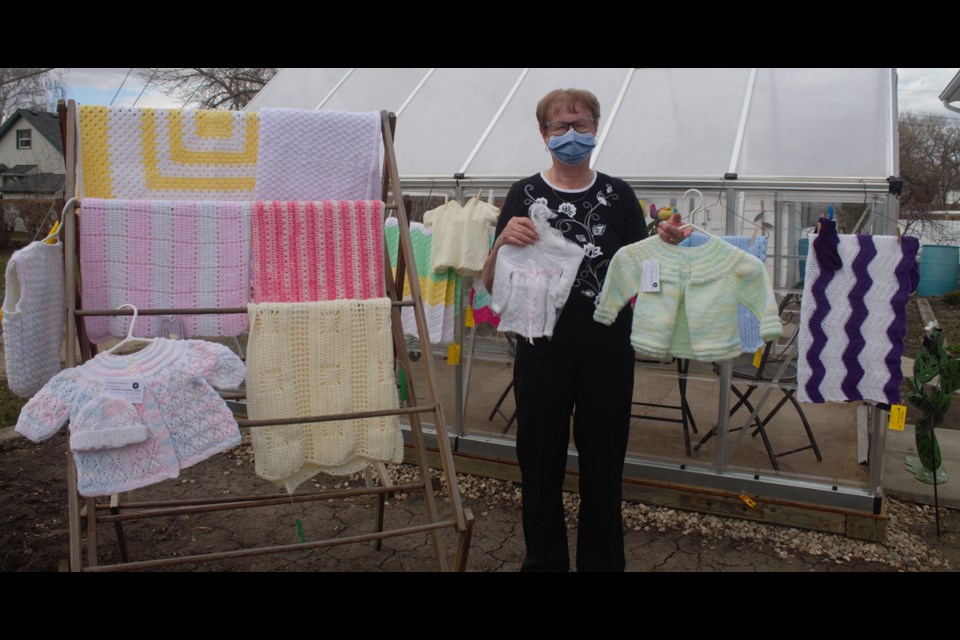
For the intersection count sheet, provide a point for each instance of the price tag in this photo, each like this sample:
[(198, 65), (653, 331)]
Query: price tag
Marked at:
[(468, 319), (748, 500), (453, 354), (757, 357), (898, 417), (125, 389), (651, 276)]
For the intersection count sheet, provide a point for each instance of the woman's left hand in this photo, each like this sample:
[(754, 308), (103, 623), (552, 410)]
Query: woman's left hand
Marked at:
[(670, 231)]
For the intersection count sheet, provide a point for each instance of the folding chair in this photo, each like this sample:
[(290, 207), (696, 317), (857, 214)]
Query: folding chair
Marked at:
[(779, 366)]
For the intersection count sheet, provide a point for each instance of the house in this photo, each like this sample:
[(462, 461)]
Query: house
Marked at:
[(31, 156)]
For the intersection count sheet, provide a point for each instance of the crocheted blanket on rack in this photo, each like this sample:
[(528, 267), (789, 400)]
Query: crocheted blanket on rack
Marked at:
[(33, 316), (311, 251), (321, 358), (167, 154), (853, 317), (747, 324), (165, 254), (439, 291), (318, 155)]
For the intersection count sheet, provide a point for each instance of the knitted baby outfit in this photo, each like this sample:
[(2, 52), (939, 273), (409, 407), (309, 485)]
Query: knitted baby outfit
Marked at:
[(321, 358), (694, 314), (33, 316), (122, 442), (310, 251), (439, 291), (318, 155), (167, 154), (747, 324), (461, 235), (165, 254), (531, 283), (853, 318)]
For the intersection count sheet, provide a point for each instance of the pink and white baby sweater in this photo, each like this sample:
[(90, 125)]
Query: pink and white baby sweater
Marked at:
[(123, 441)]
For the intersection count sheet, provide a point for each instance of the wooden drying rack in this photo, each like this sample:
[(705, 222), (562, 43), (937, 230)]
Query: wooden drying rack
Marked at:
[(117, 512)]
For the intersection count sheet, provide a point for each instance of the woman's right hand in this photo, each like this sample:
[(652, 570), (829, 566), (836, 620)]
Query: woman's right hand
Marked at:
[(520, 231)]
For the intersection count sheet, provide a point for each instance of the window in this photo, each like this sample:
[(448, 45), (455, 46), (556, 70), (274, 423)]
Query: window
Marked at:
[(23, 138)]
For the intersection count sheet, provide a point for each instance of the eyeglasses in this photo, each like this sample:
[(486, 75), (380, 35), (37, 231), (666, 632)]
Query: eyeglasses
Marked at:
[(560, 127)]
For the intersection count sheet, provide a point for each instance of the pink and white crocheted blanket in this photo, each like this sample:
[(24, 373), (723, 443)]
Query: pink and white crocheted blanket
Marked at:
[(165, 254), (316, 251)]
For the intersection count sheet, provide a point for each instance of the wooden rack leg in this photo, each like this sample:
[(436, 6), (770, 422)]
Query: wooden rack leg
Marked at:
[(118, 528), (91, 532), (415, 429), (381, 500), (463, 542), (73, 514)]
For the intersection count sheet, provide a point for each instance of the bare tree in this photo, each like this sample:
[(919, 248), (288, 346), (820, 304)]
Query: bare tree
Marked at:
[(31, 88), (210, 88), (929, 166)]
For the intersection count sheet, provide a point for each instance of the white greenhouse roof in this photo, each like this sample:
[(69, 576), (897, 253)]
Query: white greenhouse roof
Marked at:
[(763, 124)]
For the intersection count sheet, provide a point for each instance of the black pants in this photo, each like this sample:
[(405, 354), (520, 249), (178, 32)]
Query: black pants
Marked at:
[(585, 370)]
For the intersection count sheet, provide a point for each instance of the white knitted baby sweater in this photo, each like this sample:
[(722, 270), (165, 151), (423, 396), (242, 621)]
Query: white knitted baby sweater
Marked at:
[(532, 283), (122, 442), (694, 313), (33, 315), (321, 358), (461, 235)]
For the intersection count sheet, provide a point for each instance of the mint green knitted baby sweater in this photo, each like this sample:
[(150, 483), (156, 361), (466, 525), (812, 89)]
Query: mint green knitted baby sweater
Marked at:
[(694, 314)]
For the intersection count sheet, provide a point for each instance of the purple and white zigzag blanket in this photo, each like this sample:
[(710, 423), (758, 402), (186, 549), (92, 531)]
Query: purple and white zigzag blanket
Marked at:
[(853, 318)]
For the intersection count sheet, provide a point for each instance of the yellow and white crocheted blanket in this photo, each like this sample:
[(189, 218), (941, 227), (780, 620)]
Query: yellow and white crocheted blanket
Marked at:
[(321, 358), (167, 154)]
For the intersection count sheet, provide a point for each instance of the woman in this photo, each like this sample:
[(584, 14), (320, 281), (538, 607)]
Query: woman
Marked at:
[(585, 369)]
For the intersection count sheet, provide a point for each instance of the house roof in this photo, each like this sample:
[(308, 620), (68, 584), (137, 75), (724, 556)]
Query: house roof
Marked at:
[(20, 169), (48, 124), (36, 183)]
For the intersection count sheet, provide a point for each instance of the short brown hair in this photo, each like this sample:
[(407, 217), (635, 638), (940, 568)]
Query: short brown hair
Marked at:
[(574, 98)]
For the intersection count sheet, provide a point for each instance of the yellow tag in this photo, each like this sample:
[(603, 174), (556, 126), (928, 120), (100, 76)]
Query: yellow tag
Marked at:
[(468, 319), (748, 500), (898, 416), (453, 354), (757, 357), (50, 239)]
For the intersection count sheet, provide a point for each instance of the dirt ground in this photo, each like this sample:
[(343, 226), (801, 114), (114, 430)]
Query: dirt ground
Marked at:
[(34, 534)]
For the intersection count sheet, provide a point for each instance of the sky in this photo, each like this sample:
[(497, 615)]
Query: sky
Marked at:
[(918, 89)]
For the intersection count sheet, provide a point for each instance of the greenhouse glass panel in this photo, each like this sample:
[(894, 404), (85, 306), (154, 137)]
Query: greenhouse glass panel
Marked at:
[(819, 123), (675, 122)]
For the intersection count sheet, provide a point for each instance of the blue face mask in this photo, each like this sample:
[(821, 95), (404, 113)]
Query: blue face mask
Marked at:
[(572, 147)]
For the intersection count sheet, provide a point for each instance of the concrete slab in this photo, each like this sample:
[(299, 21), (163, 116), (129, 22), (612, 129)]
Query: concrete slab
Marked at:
[(899, 482)]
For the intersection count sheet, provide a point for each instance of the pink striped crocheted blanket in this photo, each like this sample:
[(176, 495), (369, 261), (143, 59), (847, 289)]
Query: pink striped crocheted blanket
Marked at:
[(165, 254), (316, 251)]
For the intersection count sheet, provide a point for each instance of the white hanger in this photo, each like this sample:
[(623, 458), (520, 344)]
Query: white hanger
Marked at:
[(700, 207), (129, 337)]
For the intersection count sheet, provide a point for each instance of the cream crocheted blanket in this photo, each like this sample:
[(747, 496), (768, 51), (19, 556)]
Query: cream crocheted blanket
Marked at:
[(321, 358)]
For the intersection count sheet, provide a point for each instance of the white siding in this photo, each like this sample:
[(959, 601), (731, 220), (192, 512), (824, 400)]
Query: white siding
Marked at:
[(42, 152)]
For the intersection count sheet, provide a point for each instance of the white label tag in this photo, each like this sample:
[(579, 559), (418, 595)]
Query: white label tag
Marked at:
[(651, 276), (126, 389)]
